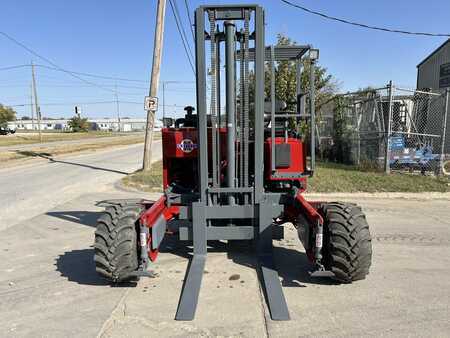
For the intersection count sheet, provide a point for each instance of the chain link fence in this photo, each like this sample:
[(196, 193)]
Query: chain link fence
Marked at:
[(387, 128)]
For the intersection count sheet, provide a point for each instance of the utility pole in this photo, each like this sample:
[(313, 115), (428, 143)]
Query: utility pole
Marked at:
[(36, 105), (32, 107), (117, 108), (156, 67)]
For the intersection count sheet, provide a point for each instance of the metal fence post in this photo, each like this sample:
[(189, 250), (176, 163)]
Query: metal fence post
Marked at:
[(389, 127), (444, 132)]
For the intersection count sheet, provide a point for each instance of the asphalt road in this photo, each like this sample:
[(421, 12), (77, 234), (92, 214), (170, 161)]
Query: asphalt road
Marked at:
[(48, 284), (27, 191), (49, 288)]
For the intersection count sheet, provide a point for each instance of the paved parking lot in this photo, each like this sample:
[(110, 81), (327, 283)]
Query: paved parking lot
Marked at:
[(48, 285)]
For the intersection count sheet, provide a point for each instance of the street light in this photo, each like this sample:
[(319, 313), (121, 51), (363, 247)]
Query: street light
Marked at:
[(314, 54)]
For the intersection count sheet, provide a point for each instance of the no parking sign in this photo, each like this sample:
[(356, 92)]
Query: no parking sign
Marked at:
[(151, 103)]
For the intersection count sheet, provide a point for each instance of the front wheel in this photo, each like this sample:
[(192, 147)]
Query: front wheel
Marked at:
[(347, 247), (116, 247)]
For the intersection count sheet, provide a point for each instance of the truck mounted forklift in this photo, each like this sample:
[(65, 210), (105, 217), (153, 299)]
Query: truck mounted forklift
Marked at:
[(235, 169)]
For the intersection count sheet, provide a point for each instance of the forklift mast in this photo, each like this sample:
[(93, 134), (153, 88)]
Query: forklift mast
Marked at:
[(229, 151)]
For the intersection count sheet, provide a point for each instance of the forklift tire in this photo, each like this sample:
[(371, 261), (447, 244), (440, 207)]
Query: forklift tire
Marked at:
[(347, 244), (116, 245)]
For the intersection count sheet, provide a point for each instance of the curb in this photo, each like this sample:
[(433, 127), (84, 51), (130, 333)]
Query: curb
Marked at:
[(423, 196)]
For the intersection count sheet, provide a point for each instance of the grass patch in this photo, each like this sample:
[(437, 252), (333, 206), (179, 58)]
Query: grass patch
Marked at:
[(328, 177), (31, 138), (331, 177), (150, 181)]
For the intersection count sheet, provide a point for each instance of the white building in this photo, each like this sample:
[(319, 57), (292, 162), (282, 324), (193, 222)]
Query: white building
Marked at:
[(106, 124)]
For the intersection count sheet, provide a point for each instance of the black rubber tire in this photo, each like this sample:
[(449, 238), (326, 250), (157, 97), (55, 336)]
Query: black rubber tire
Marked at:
[(116, 245), (347, 244)]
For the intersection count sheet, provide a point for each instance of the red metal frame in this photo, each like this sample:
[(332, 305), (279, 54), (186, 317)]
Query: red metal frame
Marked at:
[(309, 210), (151, 215)]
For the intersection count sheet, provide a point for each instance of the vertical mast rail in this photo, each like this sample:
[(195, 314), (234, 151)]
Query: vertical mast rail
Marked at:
[(272, 108), (312, 111), (259, 104), (219, 156), (201, 103), (241, 109)]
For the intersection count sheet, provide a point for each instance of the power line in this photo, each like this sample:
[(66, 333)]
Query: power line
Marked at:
[(95, 75), (182, 28), (78, 73), (51, 62), (90, 103), (13, 67), (189, 18), (181, 36), (389, 30), (85, 74)]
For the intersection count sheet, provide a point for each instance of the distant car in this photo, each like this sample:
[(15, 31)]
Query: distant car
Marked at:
[(6, 131)]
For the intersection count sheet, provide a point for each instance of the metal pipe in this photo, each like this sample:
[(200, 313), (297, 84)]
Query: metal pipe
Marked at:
[(312, 111), (444, 130), (389, 128), (241, 110), (298, 87), (230, 33)]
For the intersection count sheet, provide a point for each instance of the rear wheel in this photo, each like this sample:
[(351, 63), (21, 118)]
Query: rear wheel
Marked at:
[(347, 247), (116, 245)]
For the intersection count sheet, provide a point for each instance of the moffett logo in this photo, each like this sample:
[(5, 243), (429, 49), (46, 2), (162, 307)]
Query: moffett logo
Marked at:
[(187, 146)]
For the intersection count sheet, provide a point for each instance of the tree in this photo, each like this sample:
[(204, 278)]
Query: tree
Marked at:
[(78, 124), (285, 80), (6, 114), (25, 118)]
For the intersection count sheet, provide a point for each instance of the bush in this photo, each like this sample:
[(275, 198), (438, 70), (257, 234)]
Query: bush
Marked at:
[(78, 124), (6, 114)]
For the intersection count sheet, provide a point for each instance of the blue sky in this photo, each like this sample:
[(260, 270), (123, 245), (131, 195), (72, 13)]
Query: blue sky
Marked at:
[(115, 38)]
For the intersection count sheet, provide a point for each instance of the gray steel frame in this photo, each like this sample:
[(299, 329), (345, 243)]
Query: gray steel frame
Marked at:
[(292, 53), (258, 207)]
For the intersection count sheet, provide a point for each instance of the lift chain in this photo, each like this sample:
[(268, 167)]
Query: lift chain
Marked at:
[(213, 107), (246, 95)]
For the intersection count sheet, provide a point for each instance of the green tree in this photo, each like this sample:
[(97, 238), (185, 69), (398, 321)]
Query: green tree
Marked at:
[(79, 124), (6, 114), (285, 80)]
